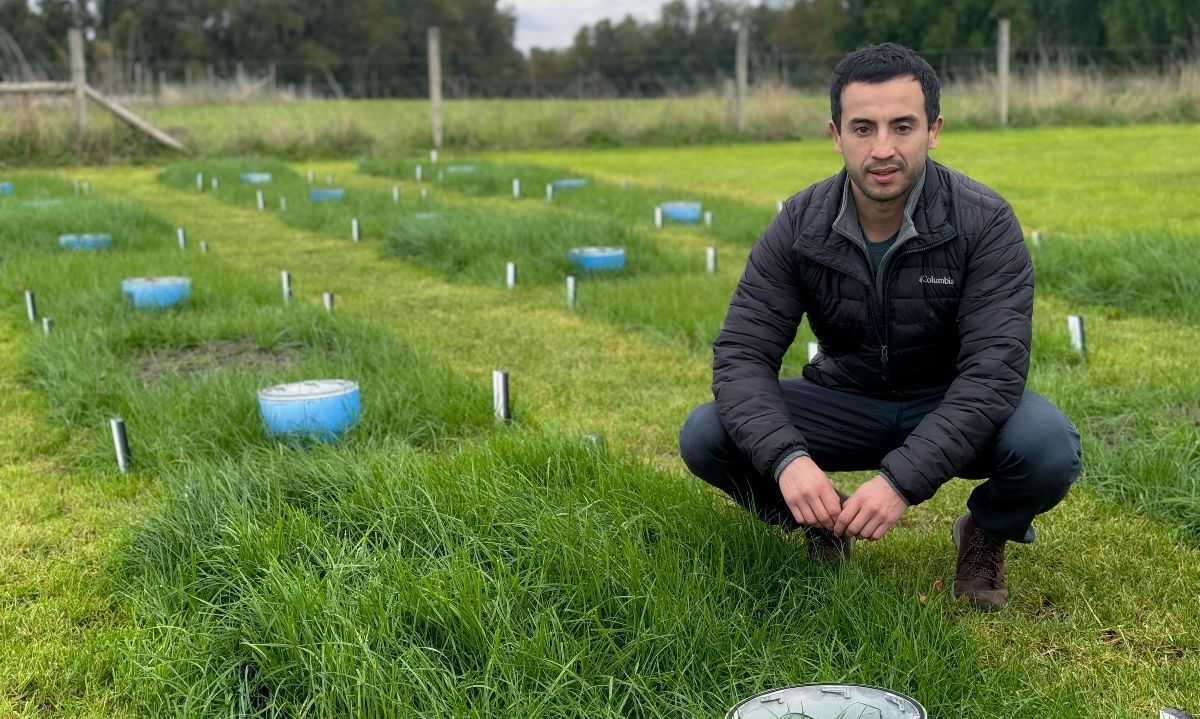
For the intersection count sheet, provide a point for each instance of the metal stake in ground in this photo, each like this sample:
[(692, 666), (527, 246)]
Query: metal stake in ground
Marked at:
[(549, 192), (355, 230), (708, 217), (327, 298), (1036, 238), (813, 349), (1078, 338), (199, 182), (286, 279), (500, 396), (424, 194), (329, 179), (710, 260), (516, 189), (203, 247), (417, 172), (572, 294), (47, 325), (120, 443), (77, 187), (510, 275), (262, 201), (433, 156), (182, 237), (30, 306), (215, 184), (396, 194), (283, 204), (658, 217), (312, 177), (87, 188)]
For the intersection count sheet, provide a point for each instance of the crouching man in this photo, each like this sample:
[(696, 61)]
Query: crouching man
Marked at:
[(919, 288)]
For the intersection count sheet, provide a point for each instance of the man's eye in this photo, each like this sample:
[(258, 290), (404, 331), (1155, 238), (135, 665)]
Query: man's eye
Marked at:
[(861, 130), (903, 129)]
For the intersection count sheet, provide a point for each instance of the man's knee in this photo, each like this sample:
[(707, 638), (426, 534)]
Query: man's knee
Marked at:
[(1043, 446), (701, 437)]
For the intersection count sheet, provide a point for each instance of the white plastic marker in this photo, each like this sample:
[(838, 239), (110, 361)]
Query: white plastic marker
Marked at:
[(433, 154), (312, 177), (215, 184), (283, 204), (516, 189), (1078, 338), (31, 305), (710, 260), (355, 230), (396, 194), (424, 194), (708, 218), (549, 192), (1036, 238), (120, 443), (199, 182), (500, 396), (510, 274), (203, 247), (262, 201), (778, 206), (47, 325), (418, 173), (182, 237), (286, 279), (571, 291), (327, 299), (813, 349), (658, 217)]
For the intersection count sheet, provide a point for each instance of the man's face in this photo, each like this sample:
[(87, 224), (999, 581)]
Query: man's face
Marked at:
[(884, 137)]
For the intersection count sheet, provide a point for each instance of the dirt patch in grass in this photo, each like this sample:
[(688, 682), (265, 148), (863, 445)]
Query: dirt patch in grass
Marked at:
[(241, 353)]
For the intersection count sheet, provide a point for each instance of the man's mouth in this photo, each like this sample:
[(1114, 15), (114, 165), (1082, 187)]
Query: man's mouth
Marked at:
[(886, 174)]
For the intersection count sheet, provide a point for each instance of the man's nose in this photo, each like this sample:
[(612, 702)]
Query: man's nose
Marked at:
[(883, 147)]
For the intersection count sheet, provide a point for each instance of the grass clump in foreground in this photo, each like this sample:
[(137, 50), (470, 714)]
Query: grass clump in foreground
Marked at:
[(521, 576)]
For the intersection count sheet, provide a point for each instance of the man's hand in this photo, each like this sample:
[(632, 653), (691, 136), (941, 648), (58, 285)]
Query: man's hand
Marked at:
[(871, 511), (809, 493)]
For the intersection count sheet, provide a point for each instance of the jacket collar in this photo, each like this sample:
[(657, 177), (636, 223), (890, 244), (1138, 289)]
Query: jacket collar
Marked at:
[(847, 222), (929, 215)]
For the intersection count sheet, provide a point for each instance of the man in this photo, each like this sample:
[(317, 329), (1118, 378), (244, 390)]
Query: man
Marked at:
[(919, 288)]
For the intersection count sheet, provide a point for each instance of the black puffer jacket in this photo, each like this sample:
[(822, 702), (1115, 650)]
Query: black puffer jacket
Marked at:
[(949, 312)]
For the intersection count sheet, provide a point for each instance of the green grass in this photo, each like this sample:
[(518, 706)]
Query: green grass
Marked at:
[(434, 563)]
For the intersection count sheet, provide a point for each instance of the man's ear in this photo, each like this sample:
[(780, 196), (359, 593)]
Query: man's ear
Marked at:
[(934, 131), (837, 136)]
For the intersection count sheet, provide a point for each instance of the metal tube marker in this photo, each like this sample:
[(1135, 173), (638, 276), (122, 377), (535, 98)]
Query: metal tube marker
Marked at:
[(549, 192), (286, 278), (120, 443), (708, 217), (710, 260), (658, 221), (418, 173), (355, 231), (283, 204), (396, 194), (215, 184), (203, 247), (510, 275), (516, 189), (312, 177), (433, 156), (327, 298), (813, 349), (571, 291), (1078, 338), (500, 396), (182, 237), (262, 202), (31, 305), (199, 183), (47, 325)]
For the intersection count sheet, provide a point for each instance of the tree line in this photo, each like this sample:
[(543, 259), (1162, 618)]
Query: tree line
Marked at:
[(378, 47)]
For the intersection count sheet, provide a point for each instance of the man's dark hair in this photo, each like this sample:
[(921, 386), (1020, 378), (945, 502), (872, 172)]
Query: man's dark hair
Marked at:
[(880, 63)]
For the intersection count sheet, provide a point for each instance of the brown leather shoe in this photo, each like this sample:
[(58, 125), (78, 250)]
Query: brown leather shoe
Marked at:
[(980, 573), (826, 547)]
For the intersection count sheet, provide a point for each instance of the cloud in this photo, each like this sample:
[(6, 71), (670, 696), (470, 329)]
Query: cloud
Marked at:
[(553, 23)]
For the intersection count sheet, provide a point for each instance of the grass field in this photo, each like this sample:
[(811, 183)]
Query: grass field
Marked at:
[(436, 563)]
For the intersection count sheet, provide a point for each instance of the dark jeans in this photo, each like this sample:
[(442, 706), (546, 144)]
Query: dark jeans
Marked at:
[(1032, 462)]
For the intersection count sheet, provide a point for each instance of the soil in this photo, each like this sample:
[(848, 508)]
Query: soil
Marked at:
[(210, 357)]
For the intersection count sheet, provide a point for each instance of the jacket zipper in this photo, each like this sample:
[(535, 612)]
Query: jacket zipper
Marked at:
[(871, 314), (881, 289)]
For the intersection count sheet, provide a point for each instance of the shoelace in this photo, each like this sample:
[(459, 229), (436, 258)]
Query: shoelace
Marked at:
[(982, 558)]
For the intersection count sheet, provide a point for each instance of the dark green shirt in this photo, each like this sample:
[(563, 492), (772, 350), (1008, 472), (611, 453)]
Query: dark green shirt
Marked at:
[(876, 251)]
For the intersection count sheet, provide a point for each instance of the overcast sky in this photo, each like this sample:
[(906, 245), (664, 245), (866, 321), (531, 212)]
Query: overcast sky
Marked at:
[(553, 23)]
